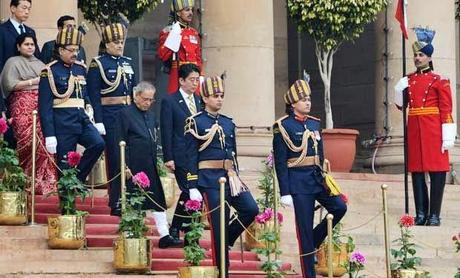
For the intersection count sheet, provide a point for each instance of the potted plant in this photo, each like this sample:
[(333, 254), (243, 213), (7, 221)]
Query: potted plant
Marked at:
[(456, 239), (193, 252), (13, 198), (270, 237), (343, 245), (265, 201), (330, 24), (132, 247), (405, 264), (168, 183), (67, 231)]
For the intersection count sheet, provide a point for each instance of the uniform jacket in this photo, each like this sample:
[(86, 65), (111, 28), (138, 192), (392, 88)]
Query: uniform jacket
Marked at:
[(96, 85), (174, 112), (62, 120), (430, 105), (216, 150), (298, 180)]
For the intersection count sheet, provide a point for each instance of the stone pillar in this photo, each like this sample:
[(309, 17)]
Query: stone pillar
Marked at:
[(44, 16), (239, 39), (390, 155)]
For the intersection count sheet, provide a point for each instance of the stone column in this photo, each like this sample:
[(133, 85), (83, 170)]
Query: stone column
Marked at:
[(390, 155), (239, 39), (44, 16)]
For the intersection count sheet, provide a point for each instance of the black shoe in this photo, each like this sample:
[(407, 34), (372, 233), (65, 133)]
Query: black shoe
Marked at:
[(115, 212), (434, 220), (169, 241), (174, 232), (420, 220)]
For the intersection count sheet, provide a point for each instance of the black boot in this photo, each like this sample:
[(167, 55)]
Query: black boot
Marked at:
[(169, 241), (420, 197), (438, 181), (174, 232)]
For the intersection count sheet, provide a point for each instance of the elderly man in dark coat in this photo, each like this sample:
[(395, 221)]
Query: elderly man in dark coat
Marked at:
[(137, 126)]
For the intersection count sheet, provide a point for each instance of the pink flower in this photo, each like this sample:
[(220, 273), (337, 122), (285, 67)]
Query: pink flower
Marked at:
[(73, 158), (357, 257), (344, 198), (455, 238), (140, 179), (264, 216), (406, 221), (3, 126), (193, 205), (269, 160)]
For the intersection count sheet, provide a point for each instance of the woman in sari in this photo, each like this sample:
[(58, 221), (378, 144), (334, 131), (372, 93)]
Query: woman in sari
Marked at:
[(19, 79)]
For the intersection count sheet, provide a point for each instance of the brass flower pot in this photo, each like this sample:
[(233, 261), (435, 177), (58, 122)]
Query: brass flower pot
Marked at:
[(407, 273), (254, 232), (198, 272), (169, 188), (66, 232), (13, 208), (339, 258), (131, 255)]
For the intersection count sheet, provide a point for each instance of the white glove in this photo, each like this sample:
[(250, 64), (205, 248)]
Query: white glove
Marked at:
[(402, 84), (100, 128), (286, 200), (195, 195), (51, 144), (174, 38), (89, 112), (449, 131)]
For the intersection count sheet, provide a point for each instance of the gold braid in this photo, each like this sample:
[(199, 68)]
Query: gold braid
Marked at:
[(112, 85), (190, 127)]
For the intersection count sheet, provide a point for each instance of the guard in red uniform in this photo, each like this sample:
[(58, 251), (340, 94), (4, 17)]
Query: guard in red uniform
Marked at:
[(179, 43), (430, 129)]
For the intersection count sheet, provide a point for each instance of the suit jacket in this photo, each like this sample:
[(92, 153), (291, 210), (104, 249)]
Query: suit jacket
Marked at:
[(8, 35), (174, 112)]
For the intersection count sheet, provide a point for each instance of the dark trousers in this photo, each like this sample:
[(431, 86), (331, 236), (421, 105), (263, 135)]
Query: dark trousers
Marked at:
[(309, 238), (425, 206), (94, 146), (246, 209), (112, 158), (181, 178)]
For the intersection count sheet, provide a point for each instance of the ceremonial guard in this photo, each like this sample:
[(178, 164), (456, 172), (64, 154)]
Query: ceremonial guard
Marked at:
[(62, 99), (430, 128), (110, 84), (179, 43), (211, 154), (175, 109), (298, 156)]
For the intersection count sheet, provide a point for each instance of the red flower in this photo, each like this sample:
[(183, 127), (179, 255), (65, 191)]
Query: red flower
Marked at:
[(455, 238), (280, 218), (141, 179), (73, 158), (3, 126), (193, 205), (344, 198), (406, 221)]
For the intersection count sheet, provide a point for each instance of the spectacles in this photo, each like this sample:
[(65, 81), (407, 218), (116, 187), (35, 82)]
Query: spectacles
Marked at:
[(148, 99), (76, 51)]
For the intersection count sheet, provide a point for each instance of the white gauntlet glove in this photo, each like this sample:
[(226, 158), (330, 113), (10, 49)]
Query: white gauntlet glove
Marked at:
[(100, 128), (286, 200), (449, 131), (195, 194), (174, 38), (51, 144), (402, 84)]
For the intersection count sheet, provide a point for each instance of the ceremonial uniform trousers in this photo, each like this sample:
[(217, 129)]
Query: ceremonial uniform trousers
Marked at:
[(189, 52), (62, 98), (303, 180), (110, 85), (206, 167)]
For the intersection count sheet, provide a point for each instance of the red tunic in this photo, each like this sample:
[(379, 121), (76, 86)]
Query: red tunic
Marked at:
[(430, 105), (189, 52)]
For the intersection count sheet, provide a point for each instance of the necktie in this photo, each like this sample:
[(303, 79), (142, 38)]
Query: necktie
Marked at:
[(21, 27), (191, 105)]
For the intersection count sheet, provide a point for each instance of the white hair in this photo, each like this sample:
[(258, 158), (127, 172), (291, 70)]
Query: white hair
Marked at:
[(142, 87)]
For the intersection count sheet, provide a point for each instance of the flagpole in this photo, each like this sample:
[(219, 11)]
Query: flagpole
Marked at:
[(405, 102)]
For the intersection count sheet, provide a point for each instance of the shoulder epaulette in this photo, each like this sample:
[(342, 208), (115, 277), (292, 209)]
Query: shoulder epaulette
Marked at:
[(93, 63), (167, 28), (281, 118), (127, 58), (314, 118), (81, 64), (51, 63), (277, 123), (227, 117), (44, 72)]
